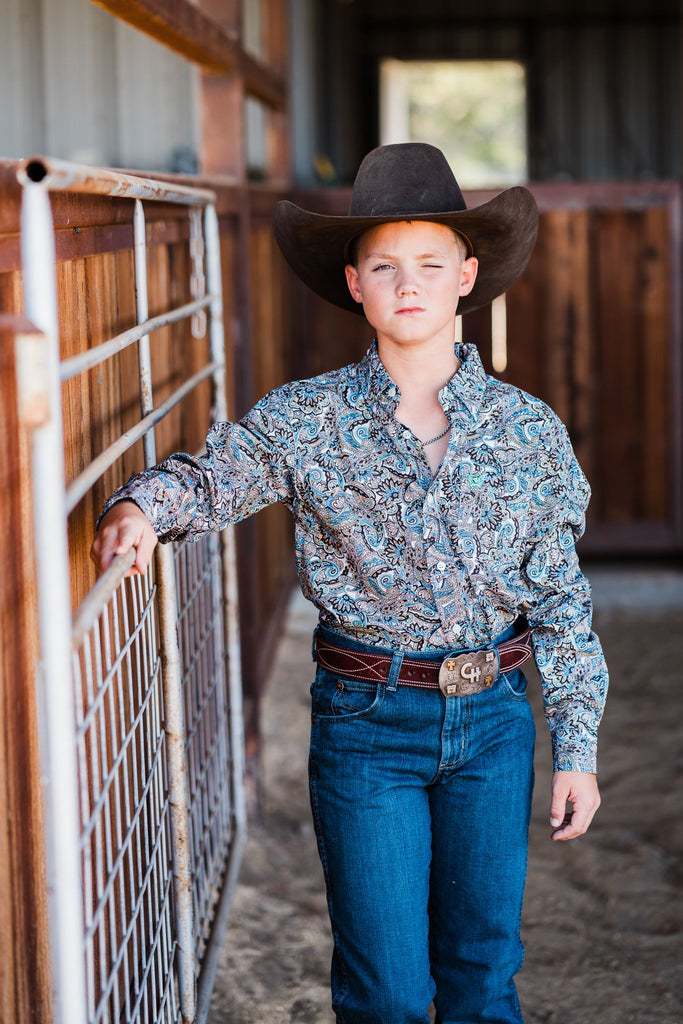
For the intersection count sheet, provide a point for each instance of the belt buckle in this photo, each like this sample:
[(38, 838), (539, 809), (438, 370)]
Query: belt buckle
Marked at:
[(464, 674)]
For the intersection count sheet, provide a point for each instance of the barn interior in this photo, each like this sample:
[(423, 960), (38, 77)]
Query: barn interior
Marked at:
[(260, 100)]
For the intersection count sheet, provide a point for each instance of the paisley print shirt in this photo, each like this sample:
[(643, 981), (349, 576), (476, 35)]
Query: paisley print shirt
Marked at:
[(396, 556)]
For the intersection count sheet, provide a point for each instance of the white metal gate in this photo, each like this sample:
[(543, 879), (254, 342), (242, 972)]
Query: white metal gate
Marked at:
[(140, 691)]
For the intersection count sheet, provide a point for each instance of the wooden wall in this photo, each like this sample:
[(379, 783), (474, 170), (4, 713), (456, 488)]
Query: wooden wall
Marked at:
[(594, 329), (265, 548)]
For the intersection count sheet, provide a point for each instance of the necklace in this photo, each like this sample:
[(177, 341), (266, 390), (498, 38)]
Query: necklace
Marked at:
[(437, 438)]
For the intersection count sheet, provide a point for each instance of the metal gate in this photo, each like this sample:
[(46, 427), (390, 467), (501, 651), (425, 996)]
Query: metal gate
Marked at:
[(140, 690)]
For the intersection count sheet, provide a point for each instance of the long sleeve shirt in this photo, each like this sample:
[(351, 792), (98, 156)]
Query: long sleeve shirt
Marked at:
[(395, 555)]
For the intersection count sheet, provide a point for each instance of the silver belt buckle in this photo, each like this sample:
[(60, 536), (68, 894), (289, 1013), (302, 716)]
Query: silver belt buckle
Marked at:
[(465, 674)]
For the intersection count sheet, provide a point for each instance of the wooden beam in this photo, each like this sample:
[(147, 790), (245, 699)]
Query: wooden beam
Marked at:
[(185, 29), (262, 83)]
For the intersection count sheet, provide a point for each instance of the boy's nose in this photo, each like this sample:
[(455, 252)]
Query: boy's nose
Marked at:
[(407, 285)]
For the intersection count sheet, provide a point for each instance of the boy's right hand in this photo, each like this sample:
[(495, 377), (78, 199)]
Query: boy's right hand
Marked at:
[(124, 526)]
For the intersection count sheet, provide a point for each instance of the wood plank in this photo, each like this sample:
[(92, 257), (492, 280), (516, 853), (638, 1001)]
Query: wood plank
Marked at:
[(127, 365), (619, 355), (656, 381), (548, 195), (527, 341), (79, 312), (185, 29), (24, 971)]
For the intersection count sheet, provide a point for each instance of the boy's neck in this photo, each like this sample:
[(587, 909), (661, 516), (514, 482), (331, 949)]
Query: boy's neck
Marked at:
[(419, 370)]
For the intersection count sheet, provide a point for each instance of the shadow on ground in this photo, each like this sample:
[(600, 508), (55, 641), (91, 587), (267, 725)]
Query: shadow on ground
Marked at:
[(603, 916)]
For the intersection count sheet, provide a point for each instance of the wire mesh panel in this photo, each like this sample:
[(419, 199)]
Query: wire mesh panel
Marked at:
[(125, 833), (202, 648)]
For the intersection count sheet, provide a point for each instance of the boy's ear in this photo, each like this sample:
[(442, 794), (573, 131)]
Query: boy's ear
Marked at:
[(468, 275), (352, 281)]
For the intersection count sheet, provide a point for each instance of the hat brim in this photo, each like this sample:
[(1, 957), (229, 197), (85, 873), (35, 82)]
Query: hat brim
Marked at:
[(502, 233)]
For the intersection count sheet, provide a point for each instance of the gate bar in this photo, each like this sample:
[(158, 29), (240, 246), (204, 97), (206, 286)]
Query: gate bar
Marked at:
[(231, 632), (174, 719), (58, 722), (81, 484), (69, 177), (94, 356)]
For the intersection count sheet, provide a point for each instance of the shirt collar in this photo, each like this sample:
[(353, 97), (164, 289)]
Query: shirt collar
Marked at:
[(381, 393), (465, 388)]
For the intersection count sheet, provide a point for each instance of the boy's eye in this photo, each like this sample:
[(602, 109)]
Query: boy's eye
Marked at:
[(382, 266), (434, 266)]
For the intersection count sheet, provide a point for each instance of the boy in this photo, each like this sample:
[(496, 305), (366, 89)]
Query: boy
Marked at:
[(436, 510)]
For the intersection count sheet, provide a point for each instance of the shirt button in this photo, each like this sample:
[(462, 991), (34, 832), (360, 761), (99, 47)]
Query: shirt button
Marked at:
[(441, 566)]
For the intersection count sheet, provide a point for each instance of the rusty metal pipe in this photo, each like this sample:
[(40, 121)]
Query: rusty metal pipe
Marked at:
[(90, 608), (64, 176), (174, 729)]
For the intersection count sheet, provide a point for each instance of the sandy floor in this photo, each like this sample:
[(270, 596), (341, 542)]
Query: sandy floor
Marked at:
[(604, 914)]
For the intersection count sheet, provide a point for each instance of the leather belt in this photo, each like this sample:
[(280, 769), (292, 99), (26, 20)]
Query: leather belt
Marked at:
[(457, 675)]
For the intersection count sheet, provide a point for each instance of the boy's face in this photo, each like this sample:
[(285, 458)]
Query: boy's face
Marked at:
[(409, 277)]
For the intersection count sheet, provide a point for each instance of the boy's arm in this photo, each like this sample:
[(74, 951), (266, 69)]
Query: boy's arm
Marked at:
[(559, 610), (247, 466)]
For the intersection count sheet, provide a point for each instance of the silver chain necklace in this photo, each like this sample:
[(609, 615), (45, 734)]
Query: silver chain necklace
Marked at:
[(437, 438)]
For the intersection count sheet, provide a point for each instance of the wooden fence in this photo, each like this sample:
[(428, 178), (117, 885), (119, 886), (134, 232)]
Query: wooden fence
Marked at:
[(96, 295)]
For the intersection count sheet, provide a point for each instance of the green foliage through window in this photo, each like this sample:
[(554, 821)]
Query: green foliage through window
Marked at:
[(475, 111)]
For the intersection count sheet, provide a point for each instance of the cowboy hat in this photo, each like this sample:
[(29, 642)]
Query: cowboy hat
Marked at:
[(410, 181)]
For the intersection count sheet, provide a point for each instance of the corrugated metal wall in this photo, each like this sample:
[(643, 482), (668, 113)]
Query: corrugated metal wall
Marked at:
[(87, 87)]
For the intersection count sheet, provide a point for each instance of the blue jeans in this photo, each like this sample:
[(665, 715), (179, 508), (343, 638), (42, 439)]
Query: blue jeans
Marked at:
[(421, 808)]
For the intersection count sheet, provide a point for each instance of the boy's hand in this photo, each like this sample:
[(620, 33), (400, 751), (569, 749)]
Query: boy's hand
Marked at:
[(580, 789), (124, 526)]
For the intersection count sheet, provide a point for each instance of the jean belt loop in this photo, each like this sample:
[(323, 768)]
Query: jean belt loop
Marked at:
[(394, 671), (315, 634)]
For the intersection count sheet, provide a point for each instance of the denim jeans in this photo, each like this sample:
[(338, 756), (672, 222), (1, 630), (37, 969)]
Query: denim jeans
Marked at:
[(421, 808)]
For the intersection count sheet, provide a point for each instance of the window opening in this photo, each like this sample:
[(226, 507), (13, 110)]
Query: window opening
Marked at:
[(473, 110)]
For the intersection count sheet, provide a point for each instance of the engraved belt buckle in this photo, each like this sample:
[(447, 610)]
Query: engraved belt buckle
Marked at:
[(465, 674)]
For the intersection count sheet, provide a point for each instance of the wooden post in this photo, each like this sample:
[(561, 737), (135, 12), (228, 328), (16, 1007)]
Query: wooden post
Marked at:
[(222, 104), (276, 46), (24, 965)]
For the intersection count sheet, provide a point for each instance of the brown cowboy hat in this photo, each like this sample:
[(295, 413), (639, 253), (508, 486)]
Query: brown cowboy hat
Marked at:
[(410, 181)]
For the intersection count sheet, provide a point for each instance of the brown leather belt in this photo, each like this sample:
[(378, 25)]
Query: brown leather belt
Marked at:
[(458, 675)]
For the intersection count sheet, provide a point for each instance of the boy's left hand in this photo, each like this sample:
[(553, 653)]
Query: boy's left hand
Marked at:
[(580, 789)]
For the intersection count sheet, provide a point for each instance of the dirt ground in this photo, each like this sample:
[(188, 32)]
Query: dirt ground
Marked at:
[(604, 914)]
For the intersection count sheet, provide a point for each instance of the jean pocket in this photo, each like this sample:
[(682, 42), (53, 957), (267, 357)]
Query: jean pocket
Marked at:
[(334, 697), (514, 683)]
